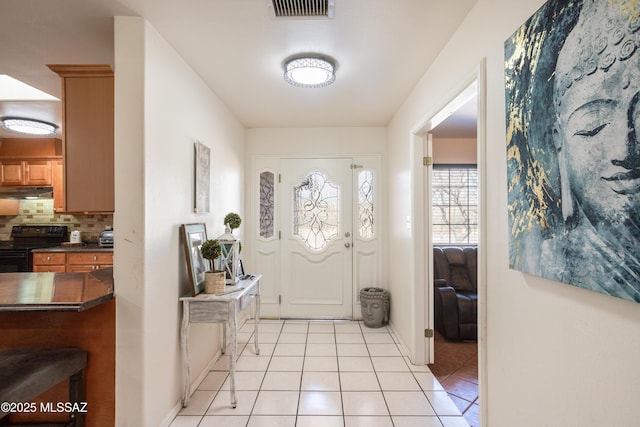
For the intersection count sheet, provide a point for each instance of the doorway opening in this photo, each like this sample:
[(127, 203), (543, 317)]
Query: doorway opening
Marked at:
[(453, 218), (470, 96)]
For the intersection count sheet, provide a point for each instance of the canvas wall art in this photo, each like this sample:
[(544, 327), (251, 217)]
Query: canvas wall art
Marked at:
[(572, 79), (202, 177)]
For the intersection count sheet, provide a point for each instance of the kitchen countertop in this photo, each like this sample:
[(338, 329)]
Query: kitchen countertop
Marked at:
[(55, 291), (88, 247)]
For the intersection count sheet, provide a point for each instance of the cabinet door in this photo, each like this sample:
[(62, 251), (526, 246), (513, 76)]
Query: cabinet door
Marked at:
[(37, 172), (89, 144), (89, 261), (49, 262), (50, 268), (57, 180), (11, 172), (25, 172)]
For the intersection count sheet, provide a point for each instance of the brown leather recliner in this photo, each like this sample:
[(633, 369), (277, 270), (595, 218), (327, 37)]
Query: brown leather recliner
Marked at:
[(456, 292)]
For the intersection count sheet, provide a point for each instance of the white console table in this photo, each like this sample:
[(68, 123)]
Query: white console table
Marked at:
[(222, 308)]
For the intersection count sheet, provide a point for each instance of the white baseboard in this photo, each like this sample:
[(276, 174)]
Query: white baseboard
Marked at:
[(166, 422), (400, 342)]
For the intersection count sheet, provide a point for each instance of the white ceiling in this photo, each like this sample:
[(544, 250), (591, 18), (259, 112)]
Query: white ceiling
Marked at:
[(382, 48)]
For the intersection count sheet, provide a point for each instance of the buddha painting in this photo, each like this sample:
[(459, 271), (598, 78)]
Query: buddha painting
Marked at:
[(572, 76)]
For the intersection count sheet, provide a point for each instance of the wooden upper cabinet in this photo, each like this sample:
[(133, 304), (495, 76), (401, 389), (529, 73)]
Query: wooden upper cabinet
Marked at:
[(12, 172), (88, 128), (25, 172), (57, 178), (31, 162)]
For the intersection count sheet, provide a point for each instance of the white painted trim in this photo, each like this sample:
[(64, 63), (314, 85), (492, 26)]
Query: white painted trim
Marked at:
[(166, 422), (483, 388), (418, 234)]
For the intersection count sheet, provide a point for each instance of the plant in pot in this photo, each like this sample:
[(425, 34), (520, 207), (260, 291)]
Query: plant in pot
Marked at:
[(232, 220), (214, 279)]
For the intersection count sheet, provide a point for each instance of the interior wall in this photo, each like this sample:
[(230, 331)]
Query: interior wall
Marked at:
[(455, 151), (554, 354), (315, 141), (162, 108)]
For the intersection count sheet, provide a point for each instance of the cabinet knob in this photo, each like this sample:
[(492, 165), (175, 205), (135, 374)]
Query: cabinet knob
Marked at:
[(48, 258), (95, 257)]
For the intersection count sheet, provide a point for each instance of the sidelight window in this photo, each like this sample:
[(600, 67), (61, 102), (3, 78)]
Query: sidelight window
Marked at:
[(267, 204), (366, 200)]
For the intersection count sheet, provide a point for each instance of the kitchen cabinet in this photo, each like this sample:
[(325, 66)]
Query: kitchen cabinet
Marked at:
[(57, 180), (31, 162), (25, 172), (64, 310), (89, 261), (50, 262), (81, 261), (88, 127)]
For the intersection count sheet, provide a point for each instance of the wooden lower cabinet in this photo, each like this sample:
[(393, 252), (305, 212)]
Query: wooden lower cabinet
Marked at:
[(93, 330), (50, 262), (71, 261), (89, 261)]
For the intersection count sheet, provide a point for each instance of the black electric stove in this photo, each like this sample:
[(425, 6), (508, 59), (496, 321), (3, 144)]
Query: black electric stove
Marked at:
[(15, 254)]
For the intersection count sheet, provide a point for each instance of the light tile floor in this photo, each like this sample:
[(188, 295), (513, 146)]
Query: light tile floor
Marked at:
[(324, 374)]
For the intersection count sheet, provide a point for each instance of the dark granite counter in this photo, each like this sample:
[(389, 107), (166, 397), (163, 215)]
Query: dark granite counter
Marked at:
[(88, 247), (55, 291)]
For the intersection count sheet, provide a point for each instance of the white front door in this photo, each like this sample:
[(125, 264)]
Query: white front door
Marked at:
[(316, 222)]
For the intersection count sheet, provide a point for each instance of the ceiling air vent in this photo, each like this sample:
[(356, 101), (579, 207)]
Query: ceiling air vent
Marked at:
[(302, 8)]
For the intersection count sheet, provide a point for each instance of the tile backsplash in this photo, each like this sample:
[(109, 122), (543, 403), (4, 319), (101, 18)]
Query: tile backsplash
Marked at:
[(40, 212)]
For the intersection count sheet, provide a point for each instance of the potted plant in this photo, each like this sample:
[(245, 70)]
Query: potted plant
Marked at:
[(232, 220), (214, 280)]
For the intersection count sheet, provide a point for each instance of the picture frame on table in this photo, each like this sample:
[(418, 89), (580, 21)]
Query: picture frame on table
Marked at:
[(193, 236), (240, 271)]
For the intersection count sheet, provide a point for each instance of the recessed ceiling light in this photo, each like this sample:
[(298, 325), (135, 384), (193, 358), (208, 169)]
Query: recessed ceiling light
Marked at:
[(28, 126), (309, 70), (14, 90)]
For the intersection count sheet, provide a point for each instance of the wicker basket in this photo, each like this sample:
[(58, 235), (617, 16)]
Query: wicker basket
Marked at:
[(214, 282)]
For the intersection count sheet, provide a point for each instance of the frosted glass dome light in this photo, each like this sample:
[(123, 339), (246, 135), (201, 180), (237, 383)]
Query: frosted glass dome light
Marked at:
[(309, 71), (28, 126)]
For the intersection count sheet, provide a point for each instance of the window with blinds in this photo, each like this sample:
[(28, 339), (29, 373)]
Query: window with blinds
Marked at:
[(454, 204)]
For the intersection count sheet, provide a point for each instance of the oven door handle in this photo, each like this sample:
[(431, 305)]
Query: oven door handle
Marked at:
[(13, 255)]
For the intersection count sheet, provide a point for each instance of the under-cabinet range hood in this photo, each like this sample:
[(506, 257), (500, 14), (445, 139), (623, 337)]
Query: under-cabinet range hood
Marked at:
[(26, 192)]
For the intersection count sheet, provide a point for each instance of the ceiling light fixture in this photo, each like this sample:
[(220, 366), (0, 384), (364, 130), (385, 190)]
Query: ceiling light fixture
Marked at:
[(309, 70), (28, 126)]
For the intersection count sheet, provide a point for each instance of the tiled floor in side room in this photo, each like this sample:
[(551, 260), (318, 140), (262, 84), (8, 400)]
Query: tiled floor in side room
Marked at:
[(456, 368), (320, 373)]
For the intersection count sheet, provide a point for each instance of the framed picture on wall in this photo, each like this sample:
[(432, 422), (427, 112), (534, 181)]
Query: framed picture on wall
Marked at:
[(202, 177), (193, 236)]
